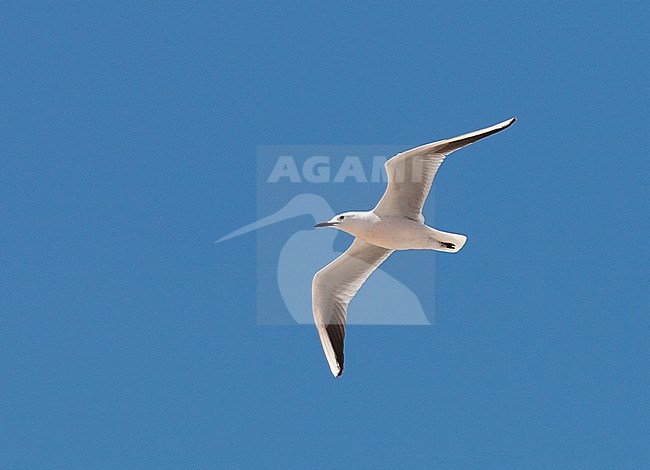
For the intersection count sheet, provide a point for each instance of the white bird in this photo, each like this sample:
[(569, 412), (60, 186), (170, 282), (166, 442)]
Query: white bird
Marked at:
[(396, 223)]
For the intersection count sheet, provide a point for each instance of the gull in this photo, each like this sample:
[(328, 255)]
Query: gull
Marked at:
[(396, 223)]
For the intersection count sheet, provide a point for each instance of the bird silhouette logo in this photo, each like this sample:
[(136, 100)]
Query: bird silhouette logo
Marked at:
[(384, 300)]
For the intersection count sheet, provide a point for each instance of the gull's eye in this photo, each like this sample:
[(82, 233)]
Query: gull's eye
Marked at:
[(341, 217)]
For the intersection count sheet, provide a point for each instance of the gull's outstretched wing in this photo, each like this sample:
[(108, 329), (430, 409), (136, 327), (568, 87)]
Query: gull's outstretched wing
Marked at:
[(331, 291), (411, 173)]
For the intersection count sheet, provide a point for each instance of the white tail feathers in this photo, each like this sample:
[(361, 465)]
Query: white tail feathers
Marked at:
[(444, 241)]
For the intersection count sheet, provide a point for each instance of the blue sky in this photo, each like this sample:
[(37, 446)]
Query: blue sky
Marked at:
[(128, 139)]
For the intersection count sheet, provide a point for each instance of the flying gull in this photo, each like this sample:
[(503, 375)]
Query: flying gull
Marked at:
[(396, 223)]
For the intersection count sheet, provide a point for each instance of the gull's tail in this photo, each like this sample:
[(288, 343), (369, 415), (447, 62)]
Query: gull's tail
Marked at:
[(444, 241)]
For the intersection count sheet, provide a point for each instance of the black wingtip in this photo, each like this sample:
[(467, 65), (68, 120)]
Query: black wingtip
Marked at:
[(336, 334)]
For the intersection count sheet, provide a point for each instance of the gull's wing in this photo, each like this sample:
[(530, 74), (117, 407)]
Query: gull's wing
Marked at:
[(332, 289), (411, 173)]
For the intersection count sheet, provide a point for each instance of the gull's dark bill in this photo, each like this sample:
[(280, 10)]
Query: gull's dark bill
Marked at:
[(325, 224)]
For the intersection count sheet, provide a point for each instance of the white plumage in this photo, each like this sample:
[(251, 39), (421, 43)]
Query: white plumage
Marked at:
[(396, 223)]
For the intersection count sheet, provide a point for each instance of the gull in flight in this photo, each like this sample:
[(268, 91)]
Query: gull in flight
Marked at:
[(396, 223)]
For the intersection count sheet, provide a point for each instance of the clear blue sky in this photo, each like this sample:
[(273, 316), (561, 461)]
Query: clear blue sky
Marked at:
[(128, 139)]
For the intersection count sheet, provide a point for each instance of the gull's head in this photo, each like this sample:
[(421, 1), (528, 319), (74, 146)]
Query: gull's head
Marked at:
[(347, 221), (338, 221)]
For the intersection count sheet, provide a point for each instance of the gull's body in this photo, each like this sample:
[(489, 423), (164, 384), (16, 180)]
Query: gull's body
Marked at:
[(399, 233), (396, 223)]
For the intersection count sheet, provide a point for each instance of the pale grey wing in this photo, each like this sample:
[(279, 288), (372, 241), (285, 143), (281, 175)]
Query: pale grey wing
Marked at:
[(411, 173), (332, 289)]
